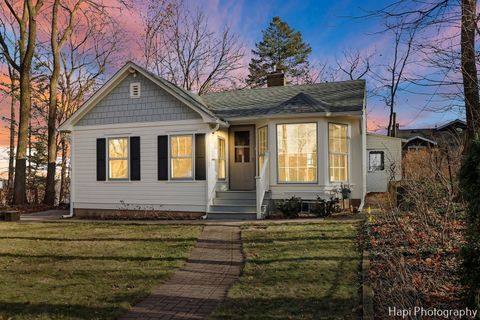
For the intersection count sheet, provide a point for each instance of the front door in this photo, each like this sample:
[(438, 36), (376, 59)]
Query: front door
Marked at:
[(242, 157)]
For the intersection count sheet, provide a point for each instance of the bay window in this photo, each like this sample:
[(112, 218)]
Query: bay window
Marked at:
[(222, 162), (181, 156), (118, 158), (297, 152), (338, 152)]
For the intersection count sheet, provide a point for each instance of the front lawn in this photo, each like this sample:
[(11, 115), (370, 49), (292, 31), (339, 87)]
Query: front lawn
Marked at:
[(85, 270), (297, 271)]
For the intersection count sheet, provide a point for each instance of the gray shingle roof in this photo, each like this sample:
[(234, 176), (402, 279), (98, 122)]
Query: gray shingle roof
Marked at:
[(343, 96)]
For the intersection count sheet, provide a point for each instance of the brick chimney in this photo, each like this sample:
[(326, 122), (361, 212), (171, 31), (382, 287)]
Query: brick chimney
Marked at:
[(275, 78)]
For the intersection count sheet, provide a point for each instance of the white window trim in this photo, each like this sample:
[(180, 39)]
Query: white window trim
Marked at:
[(170, 158), (132, 85), (276, 146), (258, 144), (128, 159), (340, 153), (220, 158)]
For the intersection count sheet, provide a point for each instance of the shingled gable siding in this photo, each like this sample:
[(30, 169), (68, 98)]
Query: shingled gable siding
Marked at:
[(154, 104)]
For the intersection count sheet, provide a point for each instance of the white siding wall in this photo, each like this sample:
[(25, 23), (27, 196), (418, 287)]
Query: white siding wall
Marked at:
[(377, 181), (163, 195), (212, 158)]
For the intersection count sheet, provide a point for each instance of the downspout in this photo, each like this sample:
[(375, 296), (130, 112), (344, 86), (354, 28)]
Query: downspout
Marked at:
[(217, 126), (70, 214)]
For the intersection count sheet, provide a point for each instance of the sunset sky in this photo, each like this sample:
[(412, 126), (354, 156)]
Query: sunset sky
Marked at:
[(328, 26)]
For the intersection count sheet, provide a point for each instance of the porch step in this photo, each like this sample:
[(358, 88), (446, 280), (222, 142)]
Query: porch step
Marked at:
[(245, 195), (235, 208), (231, 216), (221, 201)]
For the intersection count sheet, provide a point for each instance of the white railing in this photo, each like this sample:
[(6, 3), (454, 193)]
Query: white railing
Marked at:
[(262, 185)]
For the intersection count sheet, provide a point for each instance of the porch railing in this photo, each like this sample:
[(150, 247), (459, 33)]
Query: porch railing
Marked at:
[(262, 184)]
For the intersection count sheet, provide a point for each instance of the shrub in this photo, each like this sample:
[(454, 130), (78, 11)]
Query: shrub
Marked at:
[(470, 187), (324, 208), (290, 207)]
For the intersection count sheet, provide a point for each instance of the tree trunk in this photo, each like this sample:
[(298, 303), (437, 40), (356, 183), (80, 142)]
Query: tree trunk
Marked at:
[(11, 155), (469, 69), (20, 184)]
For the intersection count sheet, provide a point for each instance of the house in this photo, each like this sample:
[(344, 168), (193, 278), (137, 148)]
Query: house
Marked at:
[(141, 143), (450, 134)]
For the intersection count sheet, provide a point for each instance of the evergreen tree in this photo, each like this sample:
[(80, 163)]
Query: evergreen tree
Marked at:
[(282, 48)]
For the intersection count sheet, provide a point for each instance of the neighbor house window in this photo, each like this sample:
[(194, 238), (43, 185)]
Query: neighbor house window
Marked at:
[(262, 146), (181, 157), (376, 161), (297, 152), (338, 151), (118, 158), (222, 162)]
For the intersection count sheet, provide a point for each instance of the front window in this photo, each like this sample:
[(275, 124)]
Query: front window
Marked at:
[(297, 152), (222, 162), (118, 158), (376, 161), (262, 146), (338, 151), (181, 157)]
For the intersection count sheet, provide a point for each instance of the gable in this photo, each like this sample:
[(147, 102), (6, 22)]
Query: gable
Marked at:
[(154, 104)]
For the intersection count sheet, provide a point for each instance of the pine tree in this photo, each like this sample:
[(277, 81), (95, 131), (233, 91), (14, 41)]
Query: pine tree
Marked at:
[(282, 48)]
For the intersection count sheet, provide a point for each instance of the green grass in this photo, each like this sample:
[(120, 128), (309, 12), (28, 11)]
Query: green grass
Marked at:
[(297, 271), (85, 270)]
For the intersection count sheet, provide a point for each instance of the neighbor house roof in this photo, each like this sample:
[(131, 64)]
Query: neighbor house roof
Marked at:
[(330, 97)]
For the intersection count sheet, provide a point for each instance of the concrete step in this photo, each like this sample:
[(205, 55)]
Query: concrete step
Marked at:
[(236, 195), (233, 208), (238, 202), (231, 216)]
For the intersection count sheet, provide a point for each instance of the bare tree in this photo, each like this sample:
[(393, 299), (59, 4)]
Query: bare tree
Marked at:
[(392, 75), (353, 64), (469, 67), (25, 15), (179, 46), (10, 88)]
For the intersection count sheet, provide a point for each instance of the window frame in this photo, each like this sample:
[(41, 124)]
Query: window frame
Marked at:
[(220, 158), (277, 149), (266, 145), (347, 153), (127, 158), (382, 160), (170, 157)]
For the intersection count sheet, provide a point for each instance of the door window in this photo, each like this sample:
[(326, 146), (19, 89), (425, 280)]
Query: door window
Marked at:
[(242, 146)]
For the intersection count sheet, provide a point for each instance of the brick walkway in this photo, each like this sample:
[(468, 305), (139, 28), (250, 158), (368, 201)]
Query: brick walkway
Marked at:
[(196, 289)]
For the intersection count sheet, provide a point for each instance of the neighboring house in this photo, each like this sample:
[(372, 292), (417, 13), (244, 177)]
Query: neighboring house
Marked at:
[(143, 141), (384, 160), (450, 134)]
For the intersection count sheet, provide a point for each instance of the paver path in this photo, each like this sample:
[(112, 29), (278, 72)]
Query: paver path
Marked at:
[(197, 288)]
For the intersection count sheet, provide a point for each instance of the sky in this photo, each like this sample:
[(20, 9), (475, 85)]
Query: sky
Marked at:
[(330, 27)]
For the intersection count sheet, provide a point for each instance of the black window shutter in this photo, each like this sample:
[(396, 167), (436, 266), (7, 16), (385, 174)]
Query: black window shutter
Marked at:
[(101, 161), (135, 158), (162, 157), (200, 170)]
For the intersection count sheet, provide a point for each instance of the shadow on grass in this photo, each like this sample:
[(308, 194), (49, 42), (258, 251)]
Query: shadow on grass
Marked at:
[(67, 257), (100, 239), (301, 259), (306, 238), (14, 310)]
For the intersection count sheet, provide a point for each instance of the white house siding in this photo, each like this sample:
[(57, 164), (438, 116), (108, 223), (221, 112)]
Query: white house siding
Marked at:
[(377, 181), (212, 155), (323, 186), (148, 192)]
